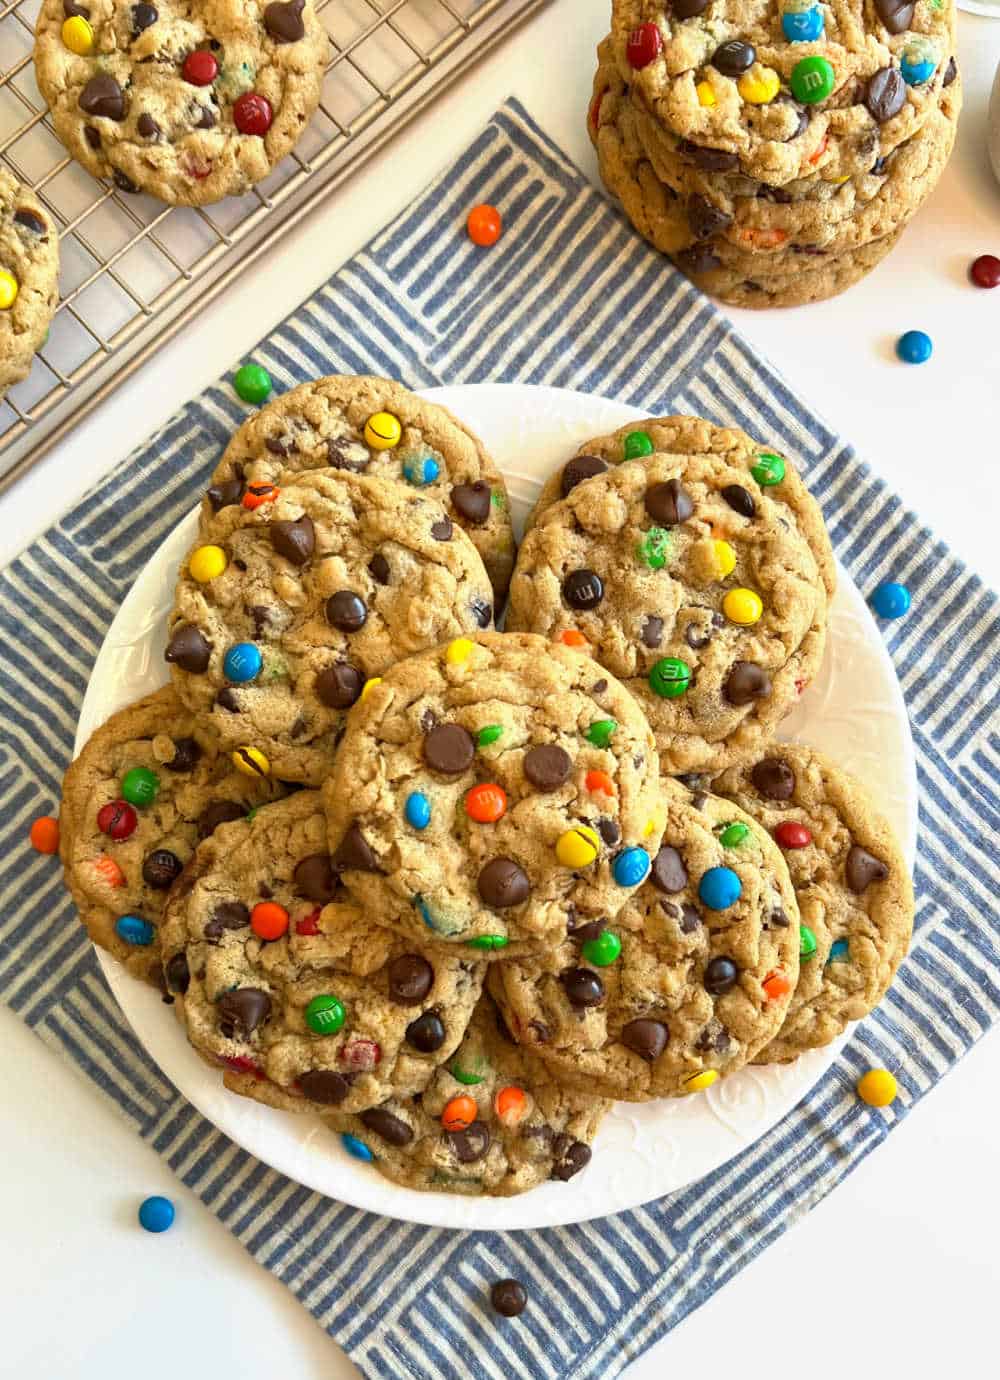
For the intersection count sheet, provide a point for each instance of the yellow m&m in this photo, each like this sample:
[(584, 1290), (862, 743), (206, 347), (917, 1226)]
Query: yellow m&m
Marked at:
[(760, 85), (706, 96), (207, 563), (8, 290), (251, 762), (78, 36), (742, 606), (459, 651), (698, 1081), (578, 847), (725, 558), (878, 1088), (368, 687), (382, 431)]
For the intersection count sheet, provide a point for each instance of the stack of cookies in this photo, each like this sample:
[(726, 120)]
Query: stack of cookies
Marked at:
[(775, 152), (454, 889)]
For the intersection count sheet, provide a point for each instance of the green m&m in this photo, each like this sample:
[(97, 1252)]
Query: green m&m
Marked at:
[(812, 80), (807, 942), (670, 677), (488, 735), (488, 941), (600, 733), (654, 549), (734, 834), (602, 950), (637, 444), (252, 383), (325, 1015), (469, 1069), (140, 786), (768, 469)]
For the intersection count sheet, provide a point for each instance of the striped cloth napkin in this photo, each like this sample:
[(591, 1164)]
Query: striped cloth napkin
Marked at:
[(422, 305)]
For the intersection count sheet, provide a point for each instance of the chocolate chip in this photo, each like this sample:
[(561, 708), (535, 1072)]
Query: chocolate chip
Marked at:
[(709, 160), (571, 1156), (746, 682), (539, 1032), (378, 568), (697, 635), (426, 1033), (227, 915), (701, 259), (668, 503), (688, 9), (355, 852), (778, 918), (218, 812), (690, 919), (143, 17), (177, 974), (862, 868), (277, 445), (315, 878), (508, 1297), (547, 766), (242, 1011), (226, 699), (186, 755), (584, 933), (609, 831), (410, 978), (776, 194), (503, 1029), (740, 500), (885, 94), (442, 530), (147, 127), (583, 589), (339, 686), (896, 15), (802, 120), (206, 117), (720, 976), (472, 501), (705, 219), (160, 868), (599, 687), (652, 631), (92, 137), (471, 1144), (668, 872), (29, 220), (715, 1036), (223, 495), (346, 611), (502, 884), (734, 57), (73, 11), (578, 469), (123, 183), (103, 97), (449, 749), (482, 612), (645, 1037), (189, 650), (773, 778), (950, 72), (325, 1086), (296, 541), (283, 21), (583, 987)]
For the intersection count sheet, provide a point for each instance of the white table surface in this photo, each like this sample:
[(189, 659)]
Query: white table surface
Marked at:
[(898, 1268)]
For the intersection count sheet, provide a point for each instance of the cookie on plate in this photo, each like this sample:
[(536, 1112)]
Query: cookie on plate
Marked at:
[(377, 427), (492, 1120), (29, 278), (148, 784), (297, 595), (851, 882), (696, 592), (190, 103), (695, 436), (487, 790), (687, 983), (283, 981)]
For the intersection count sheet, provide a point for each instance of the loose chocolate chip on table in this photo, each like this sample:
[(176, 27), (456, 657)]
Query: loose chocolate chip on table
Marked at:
[(720, 975), (284, 21), (652, 631), (189, 649), (378, 568), (296, 541), (885, 94), (472, 501), (740, 500), (228, 915), (862, 868), (103, 97), (355, 852), (315, 878), (709, 160), (508, 1297), (242, 1011), (547, 766), (186, 755), (346, 611), (583, 987), (160, 868), (570, 1157), (471, 1144), (645, 1037), (583, 589), (426, 1033), (734, 57), (668, 503), (410, 977), (177, 974), (339, 686), (705, 219), (216, 813), (578, 469), (223, 495), (143, 17), (443, 530), (449, 749), (773, 778), (30, 221), (502, 884), (896, 15), (668, 872), (747, 682), (325, 1086)]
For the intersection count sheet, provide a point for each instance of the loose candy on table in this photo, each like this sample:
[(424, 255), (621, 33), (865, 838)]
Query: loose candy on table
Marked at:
[(207, 563), (156, 1214), (134, 930), (985, 271), (631, 866), (484, 225), (325, 1015), (44, 834), (914, 347), (252, 383), (720, 888), (508, 1297), (140, 786), (877, 1087), (382, 431), (891, 600), (242, 663), (8, 290)]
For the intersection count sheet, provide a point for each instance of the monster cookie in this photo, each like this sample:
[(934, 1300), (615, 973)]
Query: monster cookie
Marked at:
[(282, 980), (378, 427), (188, 102), (29, 278), (851, 882), (486, 791), (146, 787), (686, 984), (780, 91), (297, 595), (492, 1120), (691, 588), (694, 436)]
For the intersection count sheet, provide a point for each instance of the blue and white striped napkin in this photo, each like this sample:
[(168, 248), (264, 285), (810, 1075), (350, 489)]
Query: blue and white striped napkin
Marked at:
[(410, 1301)]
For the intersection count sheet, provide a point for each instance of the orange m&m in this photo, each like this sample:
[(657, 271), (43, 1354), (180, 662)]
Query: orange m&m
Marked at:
[(484, 225), (108, 870), (268, 920), (486, 803), (257, 494), (511, 1106), (459, 1114), (599, 782), (776, 985), (572, 638), (44, 835)]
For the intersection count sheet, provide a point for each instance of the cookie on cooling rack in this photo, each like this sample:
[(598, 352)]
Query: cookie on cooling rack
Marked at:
[(29, 278)]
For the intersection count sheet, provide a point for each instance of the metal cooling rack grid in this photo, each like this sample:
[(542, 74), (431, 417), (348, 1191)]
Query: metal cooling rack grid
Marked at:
[(135, 271)]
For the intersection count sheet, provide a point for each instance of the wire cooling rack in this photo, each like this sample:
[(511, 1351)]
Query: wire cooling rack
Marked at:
[(134, 271)]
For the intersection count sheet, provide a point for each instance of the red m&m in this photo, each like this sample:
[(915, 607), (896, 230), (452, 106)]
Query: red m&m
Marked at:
[(644, 44), (252, 114), (117, 819), (200, 67), (985, 271), (791, 834)]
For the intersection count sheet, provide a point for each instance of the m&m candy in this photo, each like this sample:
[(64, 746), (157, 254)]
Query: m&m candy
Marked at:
[(918, 60), (488, 735), (914, 347), (252, 382), (743, 607), (812, 80), (759, 85), (807, 942), (259, 494), (356, 1147), (8, 290), (251, 761), (486, 803), (117, 819), (725, 558), (484, 225), (140, 786), (877, 1087), (44, 835), (600, 732), (604, 950), (207, 563), (637, 444), (459, 651), (78, 36), (734, 834), (268, 920), (791, 834), (242, 663), (719, 888), (200, 67), (643, 46), (382, 431), (802, 26), (697, 1081), (417, 810), (134, 930), (252, 114), (840, 951), (768, 469), (985, 271), (891, 600), (325, 1015), (511, 1106), (487, 941), (509, 1297), (421, 470), (669, 677), (156, 1214), (631, 866), (459, 1113), (776, 984), (599, 783), (578, 847)]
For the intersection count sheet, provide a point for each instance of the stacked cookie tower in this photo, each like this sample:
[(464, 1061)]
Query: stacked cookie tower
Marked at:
[(775, 152), (458, 889)]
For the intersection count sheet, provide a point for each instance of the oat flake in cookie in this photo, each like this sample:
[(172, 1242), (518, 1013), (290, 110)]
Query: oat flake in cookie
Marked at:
[(375, 427), (492, 1120), (851, 882), (146, 787), (488, 790), (687, 982), (29, 278), (280, 978), (691, 586), (188, 100), (295, 596)]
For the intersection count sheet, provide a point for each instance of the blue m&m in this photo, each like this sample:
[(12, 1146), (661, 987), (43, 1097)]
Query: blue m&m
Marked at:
[(156, 1214), (840, 951), (802, 26), (914, 347), (242, 663), (356, 1147), (918, 60), (134, 930), (891, 600), (719, 888), (417, 810), (631, 866), (421, 470)]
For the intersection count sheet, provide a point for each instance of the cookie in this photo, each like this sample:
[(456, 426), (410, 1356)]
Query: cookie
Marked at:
[(379, 428), (492, 1120), (487, 790), (851, 882), (280, 979), (29, 278), (148, 784), (686, 984), (780, 92), (695, 436), (761, 291), (190, 103), (296, 596), (691, 588)]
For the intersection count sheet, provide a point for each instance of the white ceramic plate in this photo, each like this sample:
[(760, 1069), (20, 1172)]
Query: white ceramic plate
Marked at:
[(854, 711)]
